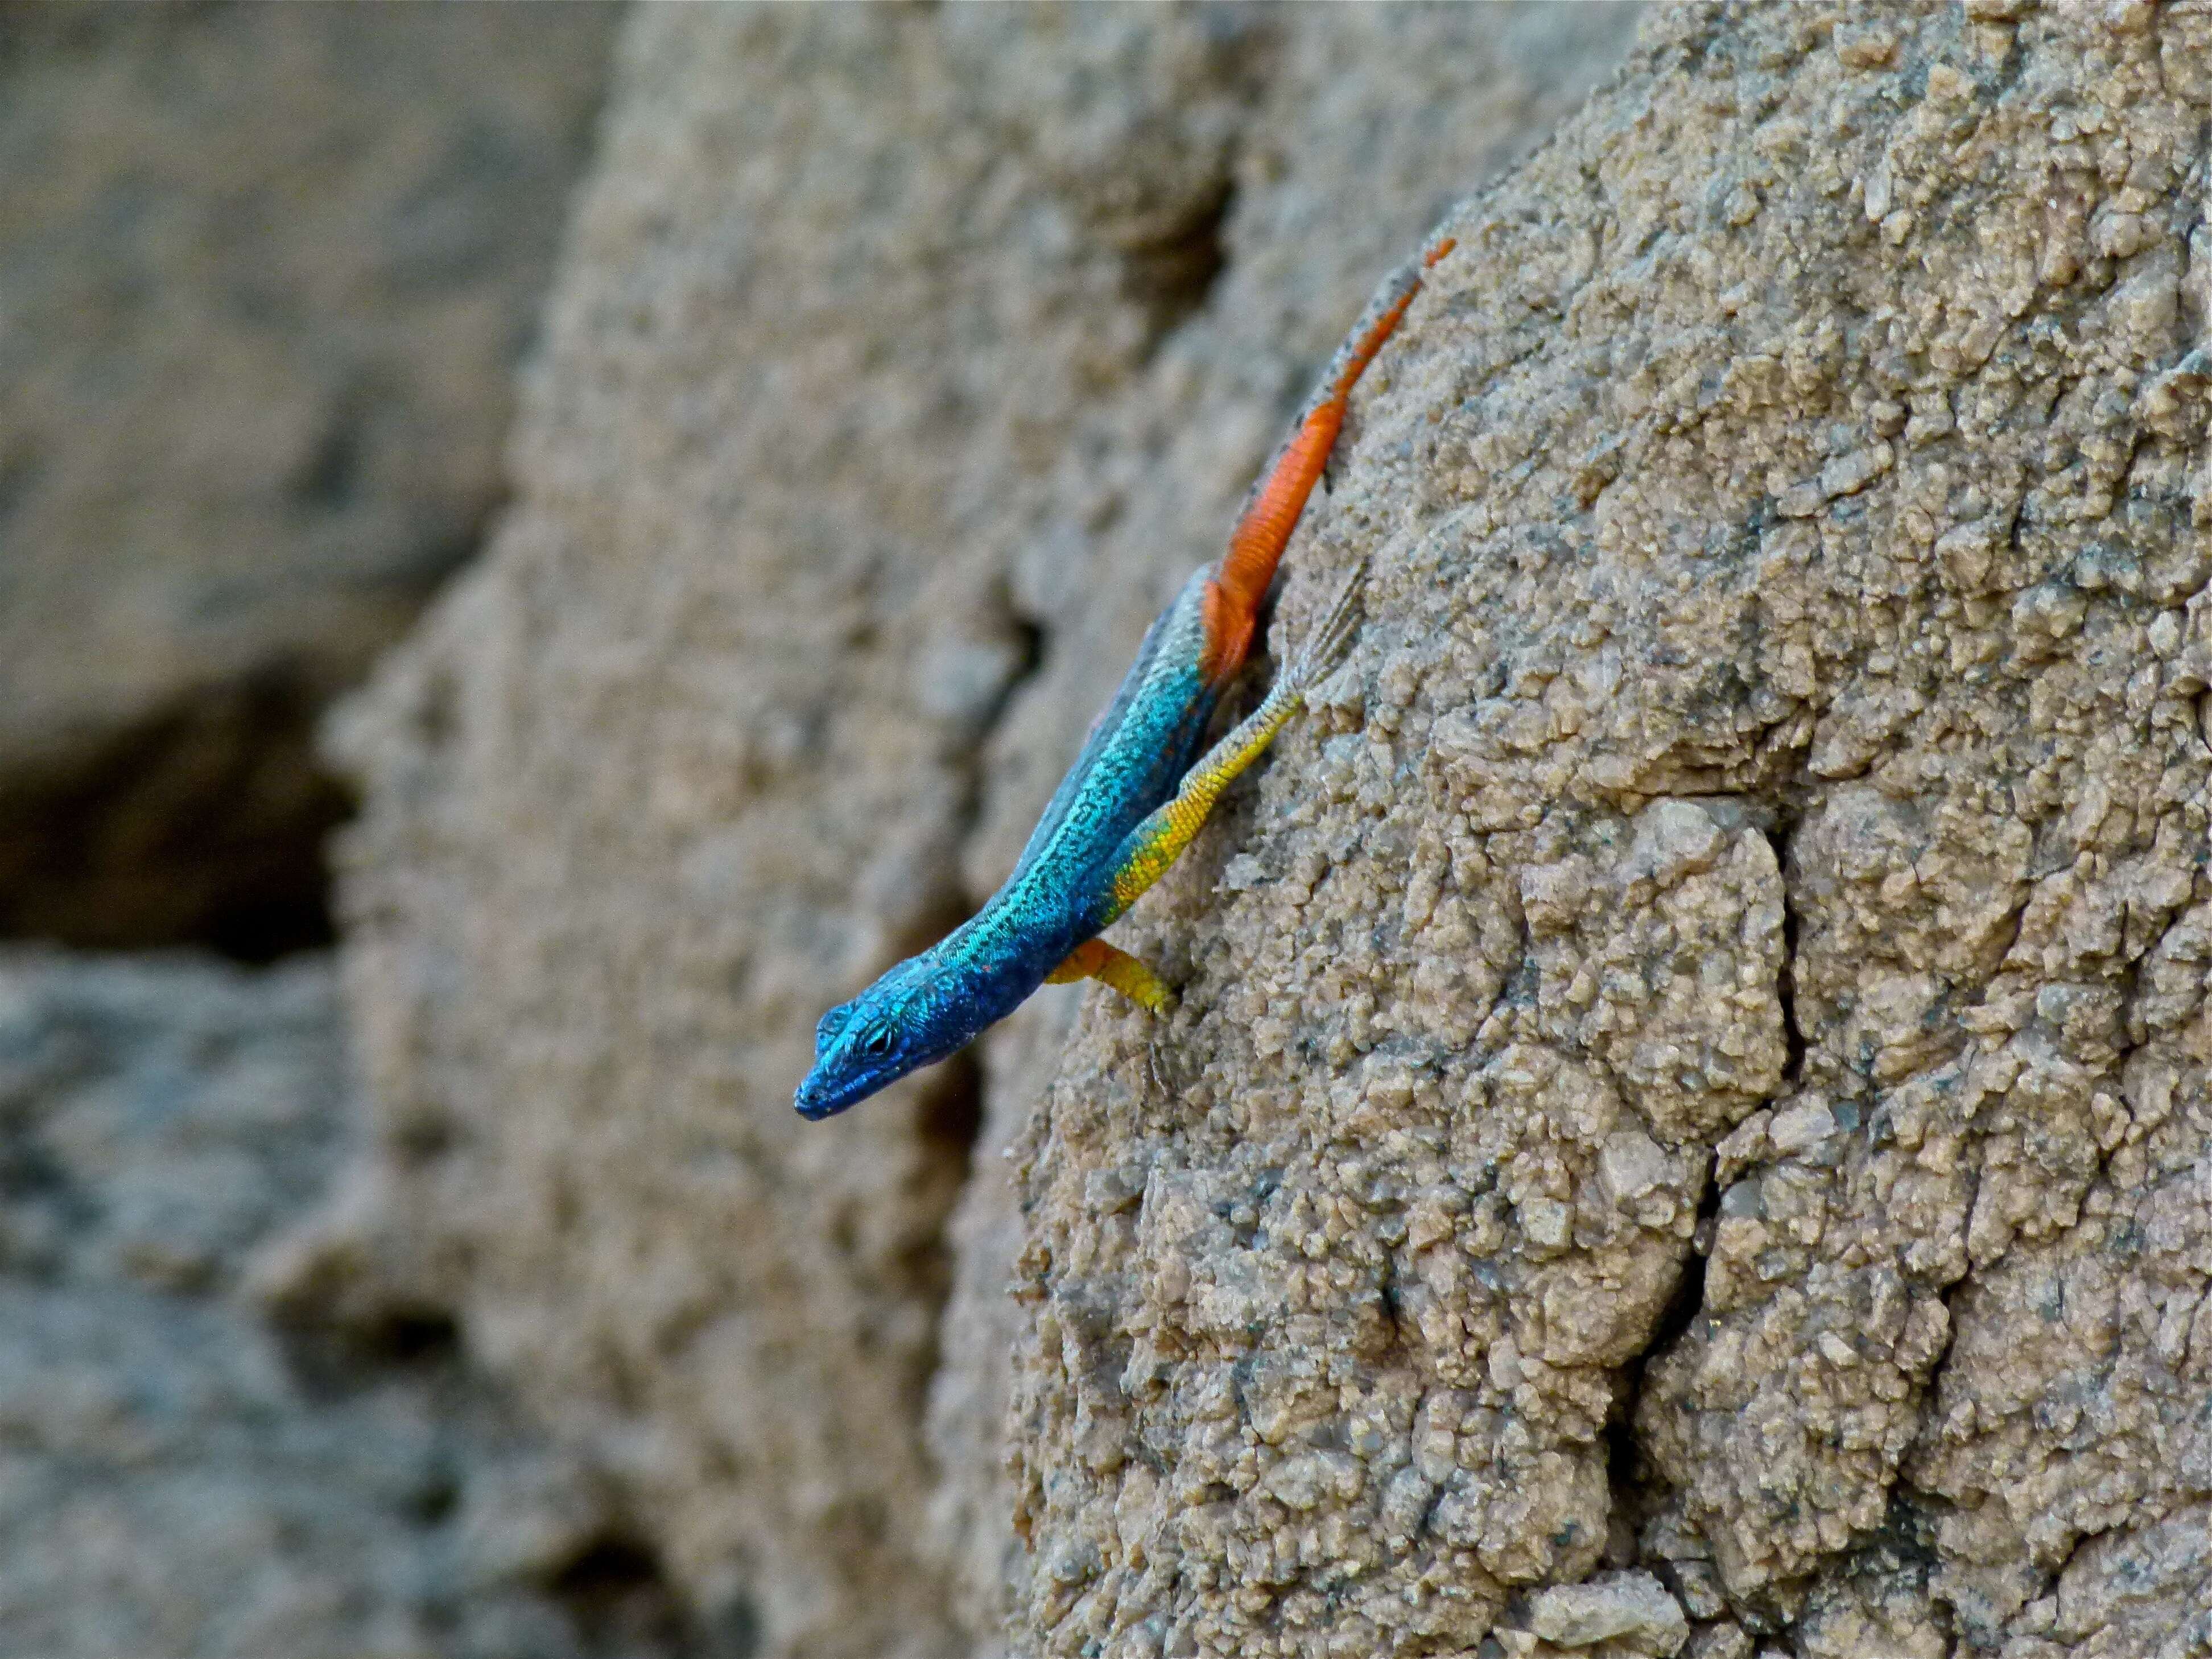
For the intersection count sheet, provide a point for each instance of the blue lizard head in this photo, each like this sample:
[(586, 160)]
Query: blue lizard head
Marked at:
[(857, 1051), (869, 1043)]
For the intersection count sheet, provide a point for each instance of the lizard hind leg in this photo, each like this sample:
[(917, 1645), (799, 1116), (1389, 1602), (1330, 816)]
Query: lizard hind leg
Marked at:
[(1147, 851), (1110, 965), (1330, 642)]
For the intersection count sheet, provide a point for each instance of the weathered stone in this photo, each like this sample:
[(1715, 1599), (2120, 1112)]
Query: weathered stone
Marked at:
[(1632, 1608), (1722, 1640), (181, 1480), (265, 274), (1464, 932)]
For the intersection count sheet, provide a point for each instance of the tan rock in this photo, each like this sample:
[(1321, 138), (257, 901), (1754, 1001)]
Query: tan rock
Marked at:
[(266, 275), (1631, 1609), (1651, 528)]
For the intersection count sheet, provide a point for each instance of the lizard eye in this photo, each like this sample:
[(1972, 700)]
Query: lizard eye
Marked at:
[(877, 1043)]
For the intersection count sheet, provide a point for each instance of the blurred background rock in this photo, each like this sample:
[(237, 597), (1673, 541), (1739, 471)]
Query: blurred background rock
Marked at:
[(265, 277), (185, 1476)]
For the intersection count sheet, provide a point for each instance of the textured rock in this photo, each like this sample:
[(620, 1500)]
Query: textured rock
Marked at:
[(1690, 1070), (163, 1115), (266, 273), (1630, 1609), (971, 1530), (1775, 748), (180, 1478), (903, 364)]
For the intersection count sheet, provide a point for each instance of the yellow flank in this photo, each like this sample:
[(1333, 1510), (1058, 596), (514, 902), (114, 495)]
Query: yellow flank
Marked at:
[(1158, 841), (1110, 965)]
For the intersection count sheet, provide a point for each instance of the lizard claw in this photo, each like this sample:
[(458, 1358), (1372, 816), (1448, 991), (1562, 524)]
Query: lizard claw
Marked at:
[(1331, 642), (1156, 1070)]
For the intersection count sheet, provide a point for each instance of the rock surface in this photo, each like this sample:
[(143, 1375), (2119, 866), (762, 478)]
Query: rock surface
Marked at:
[(1621, 1612), (1772, 779), (902, 363), (1690, 1067), (183, 1480), (266, 273)]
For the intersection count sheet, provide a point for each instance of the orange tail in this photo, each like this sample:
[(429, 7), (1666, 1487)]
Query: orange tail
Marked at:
[(1271, 512)]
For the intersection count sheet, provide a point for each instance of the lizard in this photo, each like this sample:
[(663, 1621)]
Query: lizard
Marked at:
[(1134, 799)]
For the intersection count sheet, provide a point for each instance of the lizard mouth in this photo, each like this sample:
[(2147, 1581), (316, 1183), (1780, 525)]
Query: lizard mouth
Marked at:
[(816, 1099)]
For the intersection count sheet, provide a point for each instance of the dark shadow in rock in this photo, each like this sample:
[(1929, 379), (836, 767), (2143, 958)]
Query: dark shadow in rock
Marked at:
[(620, 1601), (1172, 274), (203, 826)]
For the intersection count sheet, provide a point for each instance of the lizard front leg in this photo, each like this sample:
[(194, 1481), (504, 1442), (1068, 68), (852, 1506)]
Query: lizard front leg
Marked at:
[(1111, 965)]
